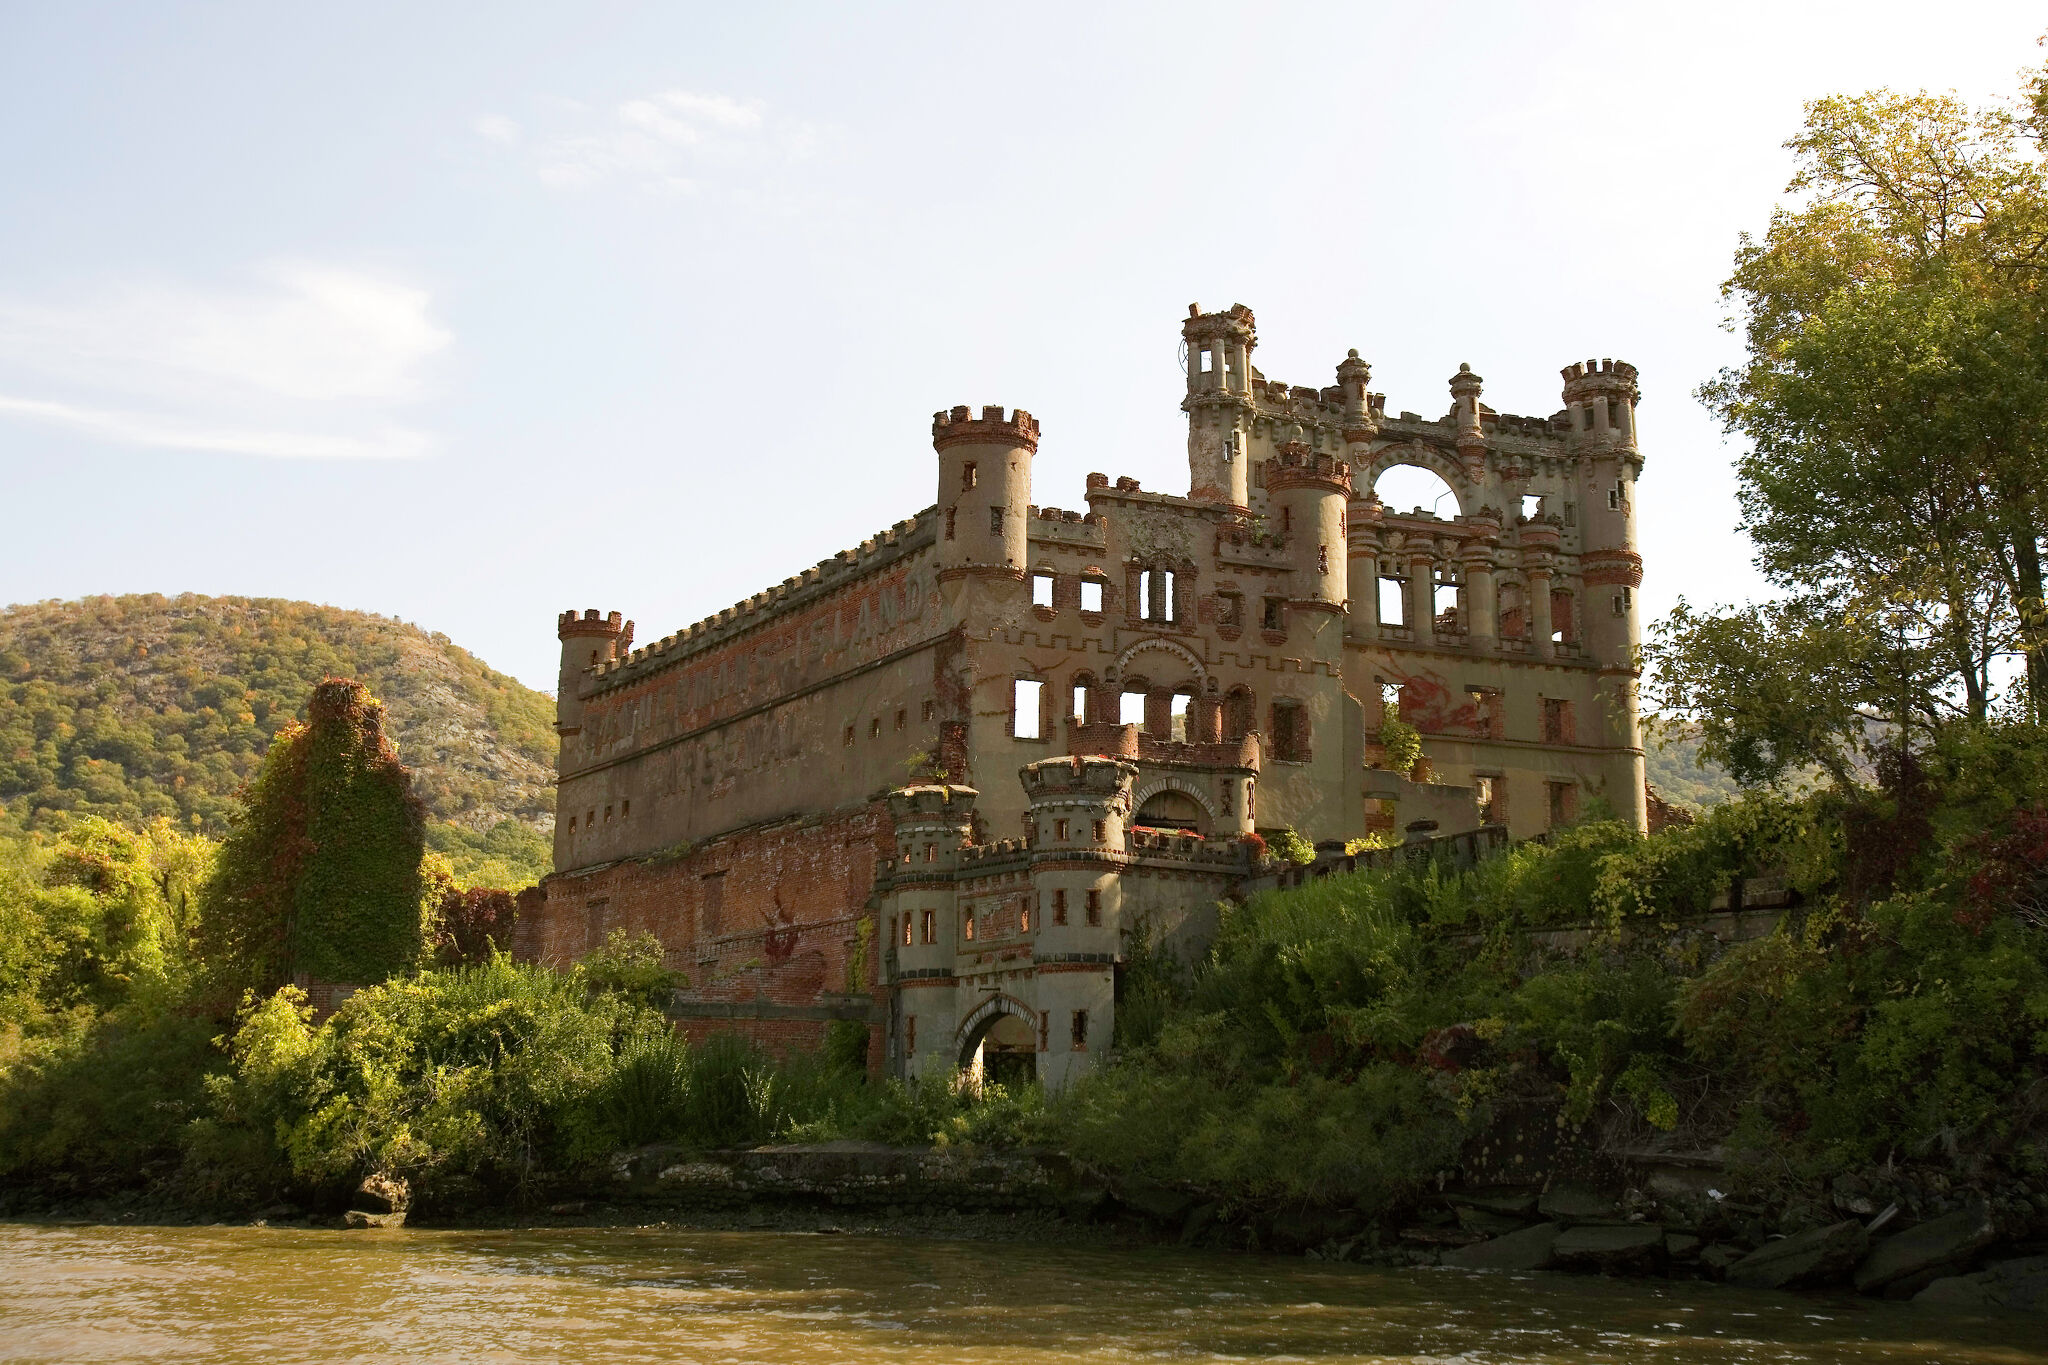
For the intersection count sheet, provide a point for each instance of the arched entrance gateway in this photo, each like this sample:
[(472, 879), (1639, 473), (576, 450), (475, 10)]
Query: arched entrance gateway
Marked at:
[(999, 1044)]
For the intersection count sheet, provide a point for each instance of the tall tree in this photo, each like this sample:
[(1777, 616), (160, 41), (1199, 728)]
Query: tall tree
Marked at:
[(321, 877), (1895, 400)]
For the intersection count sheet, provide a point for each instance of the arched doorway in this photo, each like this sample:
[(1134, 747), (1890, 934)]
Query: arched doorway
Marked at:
[(1000, 1050)]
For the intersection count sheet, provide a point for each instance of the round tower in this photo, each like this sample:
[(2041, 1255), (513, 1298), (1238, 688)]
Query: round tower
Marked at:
[(1308, 493), (587, 641), (1600, 402), (1219, 403), (984, 490)]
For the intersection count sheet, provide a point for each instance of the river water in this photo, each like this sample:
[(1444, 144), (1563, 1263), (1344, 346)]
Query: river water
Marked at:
[(236, 1295)]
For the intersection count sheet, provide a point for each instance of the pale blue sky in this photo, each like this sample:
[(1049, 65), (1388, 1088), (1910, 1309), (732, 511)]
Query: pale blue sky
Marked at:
[(471, 313)]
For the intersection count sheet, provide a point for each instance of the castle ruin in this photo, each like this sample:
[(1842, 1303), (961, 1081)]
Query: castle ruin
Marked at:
[(935, 784)]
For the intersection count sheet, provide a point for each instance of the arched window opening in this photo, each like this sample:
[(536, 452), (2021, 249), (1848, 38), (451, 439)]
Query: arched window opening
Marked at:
[(1173, 810), (1563, 617), (1177, 716), (1077, 698), (1407, 489), (1239, 713)]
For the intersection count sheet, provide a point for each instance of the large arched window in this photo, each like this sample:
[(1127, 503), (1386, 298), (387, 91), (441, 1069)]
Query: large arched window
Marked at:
[(1405, 487)]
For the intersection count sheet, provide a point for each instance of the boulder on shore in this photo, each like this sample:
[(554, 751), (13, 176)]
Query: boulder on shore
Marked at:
[(1529, 1249), (2019, 1284), (1821, 1255), (383, 1194), (1945, 1242), (1625, 1250)]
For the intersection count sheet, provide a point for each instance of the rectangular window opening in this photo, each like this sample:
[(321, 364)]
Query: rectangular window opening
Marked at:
[(931, 926), (1131, 709), (1041, 590), (1532, 506), (1080, 1030), (1273, 614), (1025, 704), (900, 717), (995, 521), (1095, 907), (1179, 714), (967, 475), (1091, 594), (1230, 609), (1079, 707), (1393, 602), (1059, 907)]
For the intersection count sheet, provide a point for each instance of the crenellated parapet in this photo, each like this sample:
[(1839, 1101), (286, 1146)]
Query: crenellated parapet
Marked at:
[(1298, 466), (958, 426), (608, 626)]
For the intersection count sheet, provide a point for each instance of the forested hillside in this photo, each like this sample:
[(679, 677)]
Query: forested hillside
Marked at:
[(145, 706), (1673, 761)]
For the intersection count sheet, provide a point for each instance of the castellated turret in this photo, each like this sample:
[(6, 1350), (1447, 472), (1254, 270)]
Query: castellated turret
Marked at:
[(588, 641), (1219, 403), (932, 825), (1600, 404), (984, 491)]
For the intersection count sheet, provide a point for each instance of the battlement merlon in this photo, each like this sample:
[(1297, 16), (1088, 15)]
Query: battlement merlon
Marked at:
[(611, 625), (959, 427), (1600, 401)]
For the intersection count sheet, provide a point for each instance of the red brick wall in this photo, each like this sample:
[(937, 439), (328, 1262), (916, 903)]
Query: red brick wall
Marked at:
[(780, 925)]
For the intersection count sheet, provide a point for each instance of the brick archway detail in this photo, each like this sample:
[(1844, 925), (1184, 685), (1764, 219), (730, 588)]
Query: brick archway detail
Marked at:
[(1173, 647), (1171, 784)]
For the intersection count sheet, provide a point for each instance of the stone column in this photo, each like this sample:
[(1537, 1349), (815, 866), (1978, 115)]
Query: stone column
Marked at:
[(1482, 606), (1422, 596), (1538, 576)]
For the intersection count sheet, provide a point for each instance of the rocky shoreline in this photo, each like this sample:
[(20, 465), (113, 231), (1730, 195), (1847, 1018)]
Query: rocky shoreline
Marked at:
[(1896, 1233)]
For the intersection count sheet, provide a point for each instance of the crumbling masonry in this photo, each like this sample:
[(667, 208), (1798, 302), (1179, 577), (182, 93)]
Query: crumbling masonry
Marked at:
[(936, 784)]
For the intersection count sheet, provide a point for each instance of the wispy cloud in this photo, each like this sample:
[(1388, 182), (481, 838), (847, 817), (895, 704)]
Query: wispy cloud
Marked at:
[(147, 429), (672, 141), (308, 361)]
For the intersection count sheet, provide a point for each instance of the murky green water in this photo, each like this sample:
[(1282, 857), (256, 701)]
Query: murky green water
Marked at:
[(235, 1295)]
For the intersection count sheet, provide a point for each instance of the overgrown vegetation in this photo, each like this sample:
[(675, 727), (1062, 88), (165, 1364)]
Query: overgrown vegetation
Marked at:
[(321, 877)]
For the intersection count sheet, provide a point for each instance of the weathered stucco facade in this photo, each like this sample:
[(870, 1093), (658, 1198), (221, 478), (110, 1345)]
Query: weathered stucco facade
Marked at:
[(937, 782)]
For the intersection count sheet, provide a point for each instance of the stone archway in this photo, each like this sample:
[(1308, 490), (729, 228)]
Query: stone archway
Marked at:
[(998, 1043), (1437, 462)]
